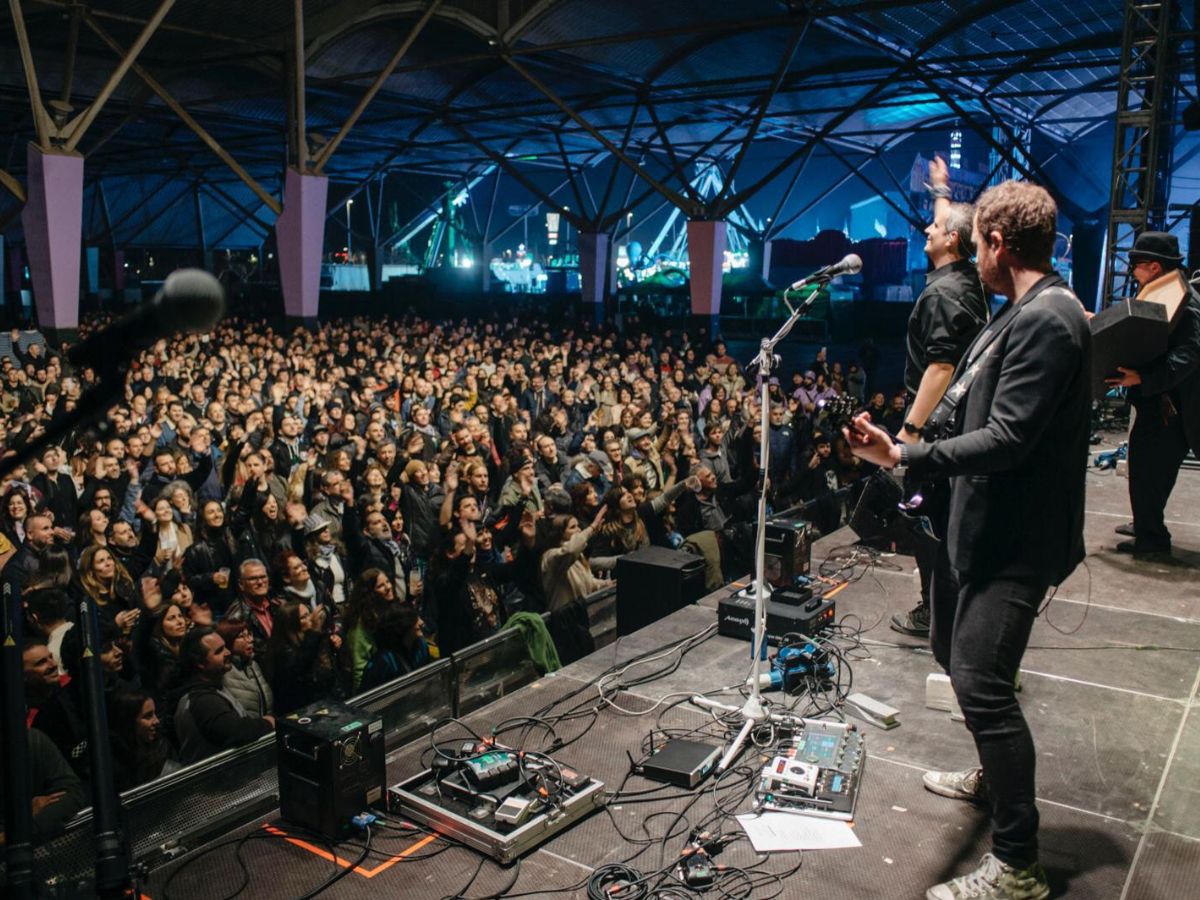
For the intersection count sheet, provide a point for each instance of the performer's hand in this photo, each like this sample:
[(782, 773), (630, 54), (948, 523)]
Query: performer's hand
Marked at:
[(939, 172), (1129, 378), (872, 443)]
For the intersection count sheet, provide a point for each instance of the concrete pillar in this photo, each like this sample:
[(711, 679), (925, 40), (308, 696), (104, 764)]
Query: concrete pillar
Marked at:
[(53, 223), (706, 255), (594, 265), (300, 235)]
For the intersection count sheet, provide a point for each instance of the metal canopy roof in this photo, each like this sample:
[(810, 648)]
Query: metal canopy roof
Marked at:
[(671, 81)]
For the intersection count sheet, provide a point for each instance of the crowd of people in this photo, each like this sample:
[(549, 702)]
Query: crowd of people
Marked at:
[(269, 519)]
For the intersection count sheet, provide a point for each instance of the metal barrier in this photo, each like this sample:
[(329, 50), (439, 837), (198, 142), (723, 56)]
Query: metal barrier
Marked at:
[(183, 810)]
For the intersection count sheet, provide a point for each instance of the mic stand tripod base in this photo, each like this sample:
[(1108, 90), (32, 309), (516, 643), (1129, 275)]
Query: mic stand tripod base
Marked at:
[(754, 714)]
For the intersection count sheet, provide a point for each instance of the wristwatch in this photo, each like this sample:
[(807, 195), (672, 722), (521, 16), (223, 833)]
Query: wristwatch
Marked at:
[(911, 428)]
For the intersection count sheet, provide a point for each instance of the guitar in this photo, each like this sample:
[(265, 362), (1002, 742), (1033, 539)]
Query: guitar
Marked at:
[(888, 510)]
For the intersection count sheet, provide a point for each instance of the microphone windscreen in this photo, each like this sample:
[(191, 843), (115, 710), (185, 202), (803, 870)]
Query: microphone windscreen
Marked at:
[(852, 264), (192, 300)]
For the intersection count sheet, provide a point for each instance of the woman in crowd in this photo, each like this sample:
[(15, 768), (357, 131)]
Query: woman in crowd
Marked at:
[(300, 586), (163, 538), (15, 507), (566, 573), (326, 557), (140, 751), (269, 533), (54, 570), (91, 530), (208, 562), (156, 644), (400, 647), (245, 679), (371, 595), (109, 586), (301, 661)]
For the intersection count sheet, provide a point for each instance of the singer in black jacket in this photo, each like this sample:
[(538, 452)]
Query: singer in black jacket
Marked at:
[(1016, 455)]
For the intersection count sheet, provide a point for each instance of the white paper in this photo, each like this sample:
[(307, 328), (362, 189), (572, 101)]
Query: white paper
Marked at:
[(771, 832)]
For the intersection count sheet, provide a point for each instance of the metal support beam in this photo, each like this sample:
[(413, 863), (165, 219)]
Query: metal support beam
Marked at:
[(577, 220), (682, 202), (857, 172), (41, 119), (385, 73), (199, 210), (12, 185), (302, 156), (77, 127), (231, 203), (570, 172), (64, 96), (209, 141), (785, 197), (764, 104)]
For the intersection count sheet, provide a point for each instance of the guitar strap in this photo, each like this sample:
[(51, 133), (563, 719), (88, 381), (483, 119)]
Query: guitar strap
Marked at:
[(977, 355)]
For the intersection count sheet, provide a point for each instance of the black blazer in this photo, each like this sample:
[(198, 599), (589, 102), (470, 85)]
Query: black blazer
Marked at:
[(1019, 457), (1177, 371)]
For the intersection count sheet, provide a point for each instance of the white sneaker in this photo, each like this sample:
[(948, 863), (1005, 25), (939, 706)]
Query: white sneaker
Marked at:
[(965, 785), (994, 880)]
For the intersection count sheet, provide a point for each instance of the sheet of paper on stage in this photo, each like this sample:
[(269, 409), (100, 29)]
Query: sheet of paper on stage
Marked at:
[(774, 831)]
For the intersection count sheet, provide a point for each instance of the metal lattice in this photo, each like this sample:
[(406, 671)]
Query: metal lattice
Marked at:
[(1142, 149)]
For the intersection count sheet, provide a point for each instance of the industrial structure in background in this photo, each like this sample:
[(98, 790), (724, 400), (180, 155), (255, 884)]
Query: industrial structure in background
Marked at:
[(695, 149)]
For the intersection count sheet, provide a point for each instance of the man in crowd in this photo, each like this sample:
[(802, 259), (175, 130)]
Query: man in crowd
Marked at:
[(1017, 461), (1166, 395), (209, 719)]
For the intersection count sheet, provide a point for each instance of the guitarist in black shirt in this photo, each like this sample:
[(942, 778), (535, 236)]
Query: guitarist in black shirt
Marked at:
[(945, 320)]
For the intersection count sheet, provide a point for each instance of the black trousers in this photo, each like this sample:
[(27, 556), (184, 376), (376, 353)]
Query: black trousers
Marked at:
[(1157, 448), (990, 632), (939, 581)]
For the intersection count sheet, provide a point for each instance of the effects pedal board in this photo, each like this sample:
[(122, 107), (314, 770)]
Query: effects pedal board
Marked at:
[(816, 771), (501, 802)]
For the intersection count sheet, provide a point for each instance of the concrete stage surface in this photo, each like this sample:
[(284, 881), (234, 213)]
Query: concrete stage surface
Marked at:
[(1109, 687)]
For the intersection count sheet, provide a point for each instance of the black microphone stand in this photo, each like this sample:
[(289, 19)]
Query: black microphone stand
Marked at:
[(114, 875)]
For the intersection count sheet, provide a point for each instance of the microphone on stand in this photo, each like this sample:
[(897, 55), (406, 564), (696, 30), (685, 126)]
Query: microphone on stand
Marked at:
[(850, 264), (190, 300)]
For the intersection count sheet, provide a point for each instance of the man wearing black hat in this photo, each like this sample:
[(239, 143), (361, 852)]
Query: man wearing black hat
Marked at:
[(1166, 395)]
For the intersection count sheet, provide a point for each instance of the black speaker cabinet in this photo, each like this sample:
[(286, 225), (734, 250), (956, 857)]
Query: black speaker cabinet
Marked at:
[(653, 583), (331, 766), (1129, 333), (788, 551)]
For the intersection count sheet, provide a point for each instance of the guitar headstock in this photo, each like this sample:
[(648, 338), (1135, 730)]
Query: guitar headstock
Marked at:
[(837, 411)]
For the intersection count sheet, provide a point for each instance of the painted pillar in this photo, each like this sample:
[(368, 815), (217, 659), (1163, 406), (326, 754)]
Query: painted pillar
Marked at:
[(53, 224), (706, 254), (594, 265), (300, 236)]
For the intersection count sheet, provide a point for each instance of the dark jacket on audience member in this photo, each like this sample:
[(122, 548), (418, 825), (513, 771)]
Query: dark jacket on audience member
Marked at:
[(209, 720), (49, 774)]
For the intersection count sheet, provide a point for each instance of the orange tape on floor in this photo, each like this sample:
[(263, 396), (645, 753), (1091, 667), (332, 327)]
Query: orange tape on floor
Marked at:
[(345, 863)]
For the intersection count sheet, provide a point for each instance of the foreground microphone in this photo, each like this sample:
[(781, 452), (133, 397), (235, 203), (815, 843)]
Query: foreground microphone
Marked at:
[(850, 265), (190, 300)]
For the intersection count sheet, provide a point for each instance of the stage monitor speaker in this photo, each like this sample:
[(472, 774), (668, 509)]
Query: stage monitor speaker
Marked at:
[(331, 766), (654, 582)]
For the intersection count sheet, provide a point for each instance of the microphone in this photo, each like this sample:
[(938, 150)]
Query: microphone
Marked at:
[(850, 265), (190, 300)]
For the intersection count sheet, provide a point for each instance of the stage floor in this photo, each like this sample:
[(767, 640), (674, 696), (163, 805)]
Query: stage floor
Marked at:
[(1110, 684)]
